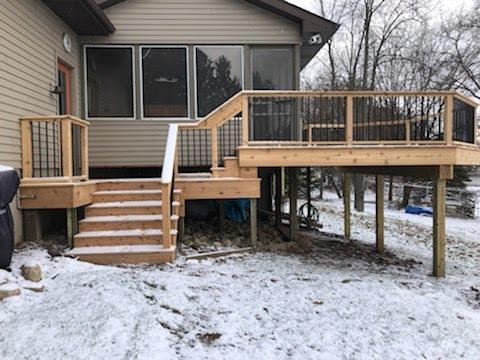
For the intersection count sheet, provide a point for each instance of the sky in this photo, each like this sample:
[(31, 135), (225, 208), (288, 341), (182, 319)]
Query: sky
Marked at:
[(447, 5)]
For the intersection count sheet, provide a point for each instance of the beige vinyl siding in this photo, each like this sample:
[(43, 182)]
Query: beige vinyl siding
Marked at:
[(119, 143), (122, 143), (197, 21), (30, 43)]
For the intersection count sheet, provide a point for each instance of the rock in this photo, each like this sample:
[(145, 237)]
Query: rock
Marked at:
[(32, 272), (9, 289), (32, 286)]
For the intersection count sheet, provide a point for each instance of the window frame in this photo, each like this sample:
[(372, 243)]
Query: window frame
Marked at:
[(140, 61), (85, 80), (195, 47)]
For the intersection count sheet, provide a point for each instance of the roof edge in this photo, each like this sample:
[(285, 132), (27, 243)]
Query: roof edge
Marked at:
[(311, 24), (99, 16)]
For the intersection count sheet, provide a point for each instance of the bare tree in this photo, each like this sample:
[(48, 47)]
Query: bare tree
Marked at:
[(463, 34), (366, 48)]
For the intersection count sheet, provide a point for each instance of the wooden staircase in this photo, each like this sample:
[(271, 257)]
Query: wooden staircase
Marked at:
[(232, 169), (124, 223)]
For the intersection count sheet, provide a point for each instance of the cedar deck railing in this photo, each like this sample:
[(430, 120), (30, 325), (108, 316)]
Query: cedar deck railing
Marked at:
[(54, 149), (308, 118)]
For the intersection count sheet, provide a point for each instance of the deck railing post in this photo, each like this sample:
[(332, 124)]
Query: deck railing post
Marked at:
[(67, 165), (214, 133), (449, 119), (349, 120), (27, 152), (84, 146), (166, 216), (408, 135), (245, 120)]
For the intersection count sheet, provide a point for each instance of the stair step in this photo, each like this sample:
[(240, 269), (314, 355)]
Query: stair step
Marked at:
[(131, 195), (129, 254), (124, 222), (121, 237), (194, 175), (126, 195), (126, 208), (129, 184)]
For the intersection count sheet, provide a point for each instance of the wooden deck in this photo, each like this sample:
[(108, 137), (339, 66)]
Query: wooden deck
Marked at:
[(402, 133), (357, 156)]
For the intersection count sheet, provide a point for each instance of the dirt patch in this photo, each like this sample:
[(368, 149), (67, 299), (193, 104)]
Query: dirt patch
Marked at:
[(472, 296), (209, 338)]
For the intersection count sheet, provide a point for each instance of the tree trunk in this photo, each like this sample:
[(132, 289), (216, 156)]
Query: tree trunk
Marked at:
[(406, 195), (390, 189)]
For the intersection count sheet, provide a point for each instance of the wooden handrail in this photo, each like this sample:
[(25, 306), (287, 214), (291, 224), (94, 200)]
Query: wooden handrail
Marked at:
[(170, 154), (220, 115), (53, 118), (469, 101), (301, 93), (168, 171)]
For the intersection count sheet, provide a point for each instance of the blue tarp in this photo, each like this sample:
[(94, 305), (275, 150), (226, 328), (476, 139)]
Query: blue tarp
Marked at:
[(418, 210), (237, 210)]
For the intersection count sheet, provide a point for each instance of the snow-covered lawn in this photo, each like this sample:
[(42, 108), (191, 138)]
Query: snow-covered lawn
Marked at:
[(334, 300)]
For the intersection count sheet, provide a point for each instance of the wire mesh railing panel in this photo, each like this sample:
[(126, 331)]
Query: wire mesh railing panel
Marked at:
[(46, 149), (229, 138), (194, 148), (77, 150), (464, 128), (398, 118), (273, 118), (323, 118)]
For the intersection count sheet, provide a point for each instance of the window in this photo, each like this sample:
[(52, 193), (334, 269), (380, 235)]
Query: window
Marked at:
[(219, 75), (272, 68), (109, 72), (164, 82)]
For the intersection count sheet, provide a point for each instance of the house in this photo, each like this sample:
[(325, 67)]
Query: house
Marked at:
[(122, 107)]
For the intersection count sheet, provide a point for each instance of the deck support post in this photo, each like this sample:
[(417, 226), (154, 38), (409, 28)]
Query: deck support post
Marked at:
[(293, 196), (380, 212), (181, 230), (32, 225), (253, 223), (347, 180), (71, 225), (309, 197), (221, 214), (439, 210), (278, 196)]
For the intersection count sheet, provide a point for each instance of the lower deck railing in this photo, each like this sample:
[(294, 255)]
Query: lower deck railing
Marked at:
[(283, 118), (54, 148)]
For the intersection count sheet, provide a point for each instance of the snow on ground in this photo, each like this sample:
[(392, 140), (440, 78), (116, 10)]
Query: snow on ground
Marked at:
[(334, 300)]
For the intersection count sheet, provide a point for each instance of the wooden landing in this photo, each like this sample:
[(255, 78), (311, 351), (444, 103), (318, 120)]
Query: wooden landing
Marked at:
[(56, 195)]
